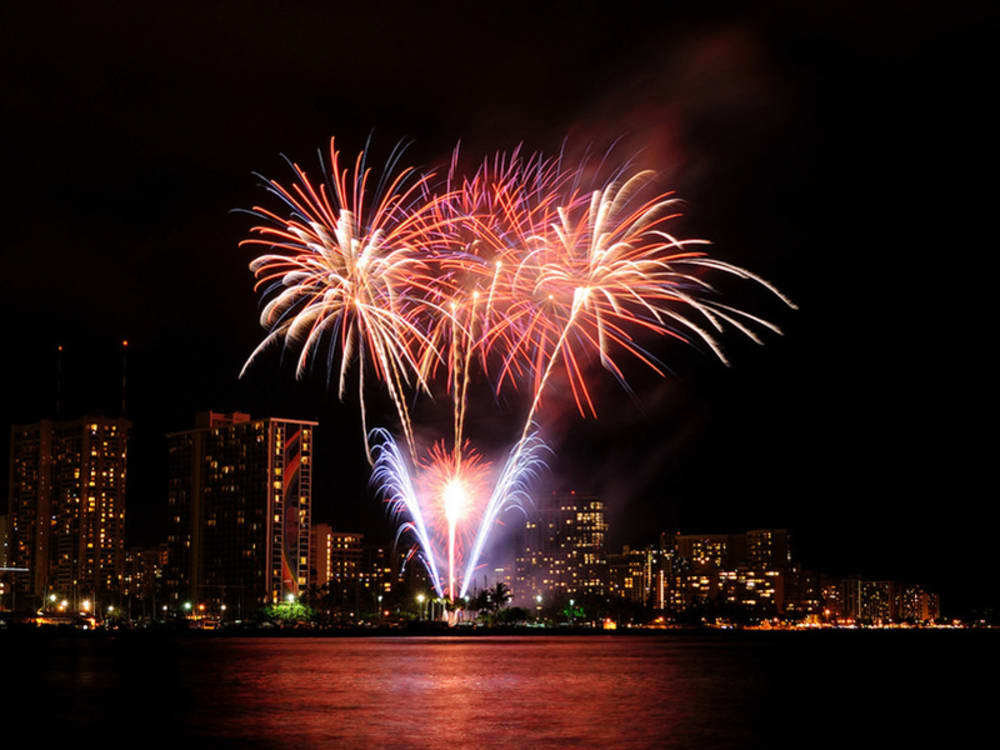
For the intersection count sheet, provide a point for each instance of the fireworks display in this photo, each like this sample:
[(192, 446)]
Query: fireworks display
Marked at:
[(525, 268)]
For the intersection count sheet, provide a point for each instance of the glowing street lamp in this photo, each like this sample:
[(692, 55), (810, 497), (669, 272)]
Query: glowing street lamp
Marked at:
[(290, 598), (187, 606), (86, 605)]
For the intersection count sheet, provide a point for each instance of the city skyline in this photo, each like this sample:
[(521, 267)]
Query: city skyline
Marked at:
[(565, 374), (228, 543), (820, 431), (869, 558)]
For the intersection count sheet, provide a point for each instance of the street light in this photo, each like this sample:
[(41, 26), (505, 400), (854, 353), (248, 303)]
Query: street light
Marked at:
[(420, 600), (290, 598)]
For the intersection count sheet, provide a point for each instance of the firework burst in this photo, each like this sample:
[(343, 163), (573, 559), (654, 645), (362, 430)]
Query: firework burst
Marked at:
[(517, 269), (346, 266), (452, 504)]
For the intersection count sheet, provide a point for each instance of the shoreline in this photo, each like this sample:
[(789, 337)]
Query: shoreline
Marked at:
[(449, 633)]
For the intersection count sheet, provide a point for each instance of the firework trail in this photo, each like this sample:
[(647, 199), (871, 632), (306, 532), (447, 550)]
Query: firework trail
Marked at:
[(391, 476), (453, 485), (603, 272), (517, 269), (347, 268), (511, 490), (444, 492)]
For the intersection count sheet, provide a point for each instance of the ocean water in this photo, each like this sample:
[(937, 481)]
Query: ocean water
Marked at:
[(727, 690)]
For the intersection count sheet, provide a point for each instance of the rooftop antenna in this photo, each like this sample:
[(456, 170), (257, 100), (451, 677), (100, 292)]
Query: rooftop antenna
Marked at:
[(124, 371), (59, 381)]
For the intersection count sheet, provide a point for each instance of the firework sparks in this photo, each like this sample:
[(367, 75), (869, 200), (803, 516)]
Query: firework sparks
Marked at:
[(454, 485), (347, 268), (448, 503), (594, 279), (517, 269)]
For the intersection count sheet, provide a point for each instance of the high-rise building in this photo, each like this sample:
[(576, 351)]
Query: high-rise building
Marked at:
[(715, 551), (768, 549), (4, 579), (916, 604), (869, 601), (831, 591), (320, 567), (752, 571), (563, 548), (351, 576), (144, 568), (754, 589), (240, 502), (376, 571), (338, 557), (66, 509), (803, 593), (637, 575), (3, 540)]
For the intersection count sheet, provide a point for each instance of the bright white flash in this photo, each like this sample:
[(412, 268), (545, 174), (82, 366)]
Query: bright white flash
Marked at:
[(456, 498)]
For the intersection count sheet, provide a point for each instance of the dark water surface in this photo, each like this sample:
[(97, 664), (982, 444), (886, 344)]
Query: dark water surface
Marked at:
[(686, 691)]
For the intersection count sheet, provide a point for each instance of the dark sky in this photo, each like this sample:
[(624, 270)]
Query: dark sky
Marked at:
[(833, 150)]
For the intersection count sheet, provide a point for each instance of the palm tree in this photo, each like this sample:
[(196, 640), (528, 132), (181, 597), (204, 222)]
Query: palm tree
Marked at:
[(499, 596), (481, 601)]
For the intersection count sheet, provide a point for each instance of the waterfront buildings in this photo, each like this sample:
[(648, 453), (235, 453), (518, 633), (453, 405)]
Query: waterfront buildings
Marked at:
[(320, 550), (240, 503), (747, 576), (885, 601), (66, 507), (637, 575), (338, 561), (562, 552), (348, 576), (3, 540), (143, 581), (915, 604)]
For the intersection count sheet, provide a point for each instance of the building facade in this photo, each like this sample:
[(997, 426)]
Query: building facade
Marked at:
[(66, 507), (240, 503), (563, 549)]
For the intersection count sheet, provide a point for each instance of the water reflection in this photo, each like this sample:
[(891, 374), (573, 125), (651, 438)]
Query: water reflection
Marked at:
[(672, 691), (543, 692)]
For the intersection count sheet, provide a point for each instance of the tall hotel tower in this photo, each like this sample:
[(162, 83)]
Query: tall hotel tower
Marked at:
[(66, 507), (240, 505)]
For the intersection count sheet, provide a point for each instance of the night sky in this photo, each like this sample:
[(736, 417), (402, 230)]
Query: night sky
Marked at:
[(833, 151)]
